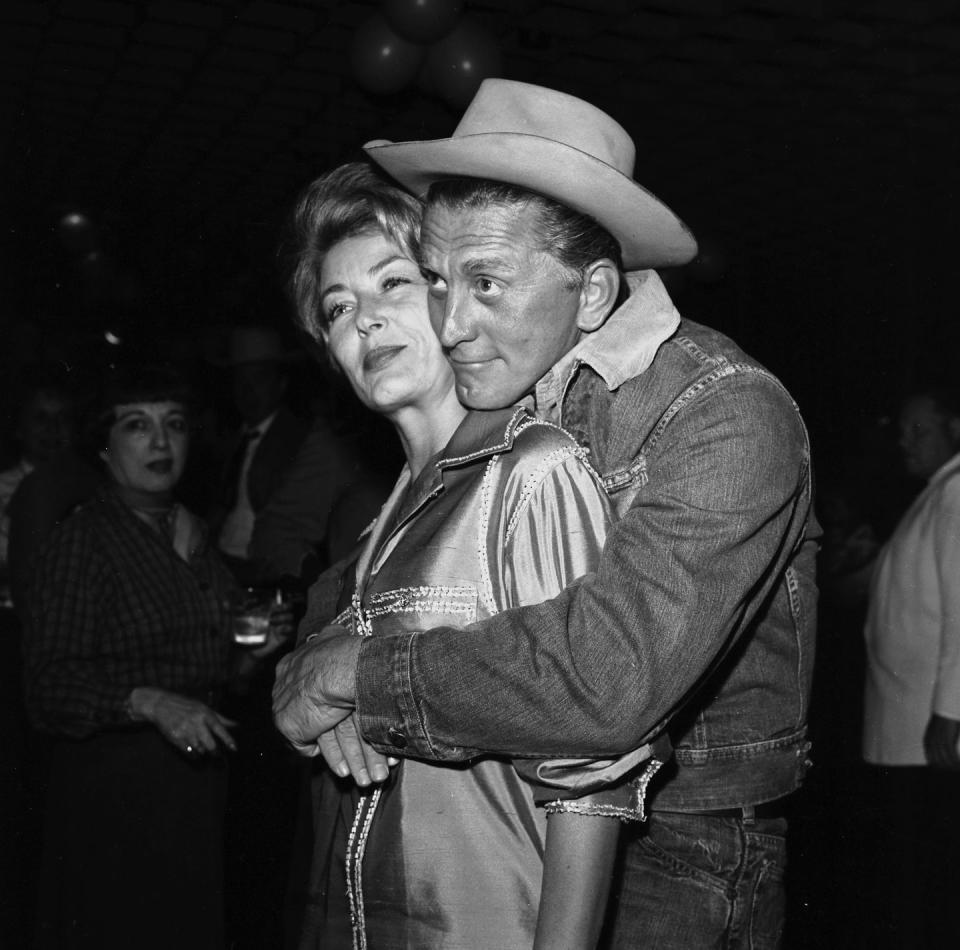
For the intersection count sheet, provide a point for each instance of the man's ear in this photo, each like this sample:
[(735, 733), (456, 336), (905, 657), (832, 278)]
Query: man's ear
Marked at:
[(598, 296)]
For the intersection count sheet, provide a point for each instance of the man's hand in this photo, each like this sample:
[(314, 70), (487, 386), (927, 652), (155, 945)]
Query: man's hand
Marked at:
[(940, 742), (315, 688)]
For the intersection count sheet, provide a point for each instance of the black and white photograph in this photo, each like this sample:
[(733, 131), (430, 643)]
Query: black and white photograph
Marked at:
[(479, 475)]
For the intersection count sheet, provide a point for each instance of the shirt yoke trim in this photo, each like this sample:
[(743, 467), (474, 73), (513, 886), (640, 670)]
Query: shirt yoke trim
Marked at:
[(505, 443)]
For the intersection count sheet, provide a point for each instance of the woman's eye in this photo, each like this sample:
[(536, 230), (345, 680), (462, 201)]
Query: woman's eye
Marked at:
[(391, 282), (178, 425), (337, 310), (435, 282)]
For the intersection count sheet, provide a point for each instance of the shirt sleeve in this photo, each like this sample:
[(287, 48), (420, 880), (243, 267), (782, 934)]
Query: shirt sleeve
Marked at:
[(600, 668), (552, 535), (946, 537), (68, 692)]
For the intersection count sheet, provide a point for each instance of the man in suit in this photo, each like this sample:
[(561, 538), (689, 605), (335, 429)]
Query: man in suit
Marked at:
[(265, 446), (264, 781)]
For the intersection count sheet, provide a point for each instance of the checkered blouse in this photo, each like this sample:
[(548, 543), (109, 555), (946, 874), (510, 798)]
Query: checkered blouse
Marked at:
[(113, 607)]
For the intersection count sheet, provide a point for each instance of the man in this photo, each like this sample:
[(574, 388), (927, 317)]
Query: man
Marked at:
[(45, 427), (328, 495), (699, 618), (912, 696), (264, 448)]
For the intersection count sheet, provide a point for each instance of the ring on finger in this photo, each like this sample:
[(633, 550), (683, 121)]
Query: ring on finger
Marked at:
[(189, 749)]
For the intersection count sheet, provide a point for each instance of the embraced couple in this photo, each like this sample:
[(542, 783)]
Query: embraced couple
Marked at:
[(602, 543)]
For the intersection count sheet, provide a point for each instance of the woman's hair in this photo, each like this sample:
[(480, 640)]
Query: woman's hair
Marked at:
[(352, 200), (133, 383), (572, 239)]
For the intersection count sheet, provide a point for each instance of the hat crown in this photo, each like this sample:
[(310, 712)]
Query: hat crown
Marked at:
[(502, 106), (558, 146)]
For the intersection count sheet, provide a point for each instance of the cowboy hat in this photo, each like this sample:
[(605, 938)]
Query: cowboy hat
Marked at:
[(554, 144)]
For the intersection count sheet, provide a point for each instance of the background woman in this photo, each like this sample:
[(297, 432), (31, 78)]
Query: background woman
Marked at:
[(126, 655), (490, 511)]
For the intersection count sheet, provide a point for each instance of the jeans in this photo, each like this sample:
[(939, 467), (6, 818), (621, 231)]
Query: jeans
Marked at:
[(697, 881)]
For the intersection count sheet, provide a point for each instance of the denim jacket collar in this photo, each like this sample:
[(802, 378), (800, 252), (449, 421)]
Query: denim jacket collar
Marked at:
[(624, 347)]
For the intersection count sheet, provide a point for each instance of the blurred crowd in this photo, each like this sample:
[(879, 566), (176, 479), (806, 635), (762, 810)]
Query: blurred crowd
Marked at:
[(117, 483)]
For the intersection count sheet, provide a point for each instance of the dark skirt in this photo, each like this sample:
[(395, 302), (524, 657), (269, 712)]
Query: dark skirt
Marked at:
[(133, 846)]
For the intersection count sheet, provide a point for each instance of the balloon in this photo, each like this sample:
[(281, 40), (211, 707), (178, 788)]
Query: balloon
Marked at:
[(77, 232), (382, 62), (422, 21), (461, 61)]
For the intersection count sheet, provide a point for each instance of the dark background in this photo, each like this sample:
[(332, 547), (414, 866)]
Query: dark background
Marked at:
[(812, 146)]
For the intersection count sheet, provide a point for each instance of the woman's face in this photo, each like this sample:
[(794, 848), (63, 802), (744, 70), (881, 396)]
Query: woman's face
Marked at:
[(147, 446), (373, 303)]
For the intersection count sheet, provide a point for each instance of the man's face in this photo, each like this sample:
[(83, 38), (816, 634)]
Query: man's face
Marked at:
[(500, 305), (927, 436), (258, 389), (46, 427)]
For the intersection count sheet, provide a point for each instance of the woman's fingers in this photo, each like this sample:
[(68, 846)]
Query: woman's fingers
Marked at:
[(219, 726), (347, 754), (328, 746), (276, 638), (205, 742), (194, 727)]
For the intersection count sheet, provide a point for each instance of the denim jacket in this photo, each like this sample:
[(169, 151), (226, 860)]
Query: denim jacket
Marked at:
[(700, 617)]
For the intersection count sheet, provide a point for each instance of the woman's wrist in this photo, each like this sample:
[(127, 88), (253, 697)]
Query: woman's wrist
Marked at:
[(141, 703)]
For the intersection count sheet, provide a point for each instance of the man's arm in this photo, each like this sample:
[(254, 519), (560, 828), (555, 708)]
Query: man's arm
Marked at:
[(600, 668)]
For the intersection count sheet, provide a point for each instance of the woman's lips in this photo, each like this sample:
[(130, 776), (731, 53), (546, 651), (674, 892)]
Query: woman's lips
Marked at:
[(379, 356), (161, 466)]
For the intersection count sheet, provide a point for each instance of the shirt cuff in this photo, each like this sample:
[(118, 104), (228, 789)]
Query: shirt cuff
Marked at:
[(385, 702), (626, 801)]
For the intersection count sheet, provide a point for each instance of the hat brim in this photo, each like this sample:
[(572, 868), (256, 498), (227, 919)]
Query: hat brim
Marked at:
[(650, 234)]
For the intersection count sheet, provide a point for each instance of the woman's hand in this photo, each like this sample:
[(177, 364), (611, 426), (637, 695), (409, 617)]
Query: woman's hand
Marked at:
[(281, 630), (348, 754), (193, 727)]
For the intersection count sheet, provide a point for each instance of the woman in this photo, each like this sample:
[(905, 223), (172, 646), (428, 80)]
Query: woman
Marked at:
[(491, 510), (127, 651)]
